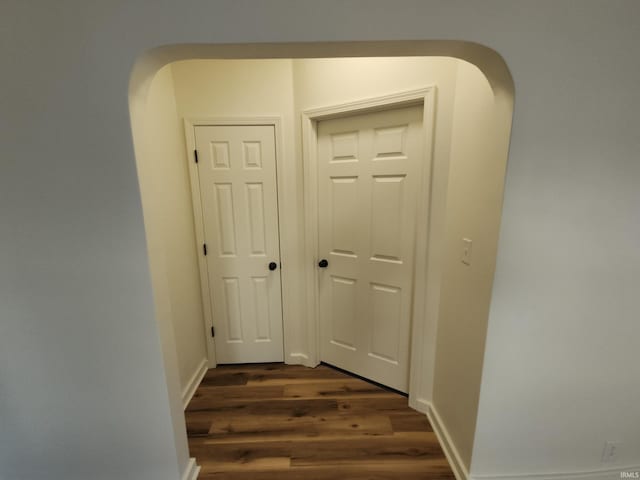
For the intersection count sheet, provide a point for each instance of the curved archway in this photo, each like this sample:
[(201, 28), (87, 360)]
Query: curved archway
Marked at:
[(438, 228)]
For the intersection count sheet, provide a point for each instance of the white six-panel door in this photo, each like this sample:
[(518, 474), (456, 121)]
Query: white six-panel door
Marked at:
[(368, 168), (237, 179)]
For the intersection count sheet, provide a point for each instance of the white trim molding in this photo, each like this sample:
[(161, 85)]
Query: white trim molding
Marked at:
[(447, 444), (419, 404), (367, 105), (194, 382), (608, 474), (192, 470), (299, 359), (421, 371)]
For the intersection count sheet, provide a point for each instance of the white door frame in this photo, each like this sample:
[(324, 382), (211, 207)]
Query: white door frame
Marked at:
[(310, 118), (189, 128)]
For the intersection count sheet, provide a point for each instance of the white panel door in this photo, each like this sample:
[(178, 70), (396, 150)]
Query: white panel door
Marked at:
[(237, 176), (368, 168)]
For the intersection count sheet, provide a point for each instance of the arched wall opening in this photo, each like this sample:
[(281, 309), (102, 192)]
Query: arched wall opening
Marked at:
[(473, 122)]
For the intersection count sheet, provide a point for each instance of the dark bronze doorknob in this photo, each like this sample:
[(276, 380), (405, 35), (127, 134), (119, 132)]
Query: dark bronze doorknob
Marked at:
[(323, 263), (273, 266)]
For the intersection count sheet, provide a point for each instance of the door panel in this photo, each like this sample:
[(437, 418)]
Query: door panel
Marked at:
[(226, 222), (257, 222), (344, 196), (386, 302), (386, 217), (343, 325), (368, 167), (237, 176)]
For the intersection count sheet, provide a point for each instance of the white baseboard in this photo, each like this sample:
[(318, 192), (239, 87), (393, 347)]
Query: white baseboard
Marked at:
[(419, 404), (450, 450), (192, 470), (609, 474), (194, 382), (300, 359)]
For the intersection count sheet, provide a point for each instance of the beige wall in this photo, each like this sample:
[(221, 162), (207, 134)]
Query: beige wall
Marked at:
[(474, 204), (325, 82), (169, 222)]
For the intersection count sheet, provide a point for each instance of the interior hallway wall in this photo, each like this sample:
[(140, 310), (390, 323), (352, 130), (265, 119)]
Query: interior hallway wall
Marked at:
[(474, 208), (169, 221)]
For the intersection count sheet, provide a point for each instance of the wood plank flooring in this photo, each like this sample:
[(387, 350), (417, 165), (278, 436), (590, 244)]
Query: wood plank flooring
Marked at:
[(284, 422)]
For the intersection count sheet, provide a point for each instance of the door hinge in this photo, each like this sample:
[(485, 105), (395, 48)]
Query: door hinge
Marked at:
[(195, 155), (213, 331), (204, 248)]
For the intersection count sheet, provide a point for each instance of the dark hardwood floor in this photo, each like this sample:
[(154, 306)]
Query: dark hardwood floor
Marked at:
[(276, 421)]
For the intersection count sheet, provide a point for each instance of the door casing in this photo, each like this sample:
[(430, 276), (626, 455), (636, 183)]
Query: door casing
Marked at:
[(420, 370), (189, 126)]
